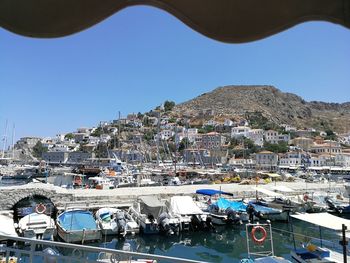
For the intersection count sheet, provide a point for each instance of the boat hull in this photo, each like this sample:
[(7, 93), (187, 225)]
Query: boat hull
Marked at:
[(78, 236)]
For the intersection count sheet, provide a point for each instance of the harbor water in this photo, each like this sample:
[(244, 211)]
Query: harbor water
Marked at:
[(227, 244)]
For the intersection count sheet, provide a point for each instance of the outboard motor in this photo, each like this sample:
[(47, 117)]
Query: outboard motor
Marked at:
[(164, 223), (195, 222), (233, 217), (332, 206), (251, 211), (121, 223), (209, 223)]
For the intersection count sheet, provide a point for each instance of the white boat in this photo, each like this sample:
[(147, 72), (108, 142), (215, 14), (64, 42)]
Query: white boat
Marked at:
[(34, 225), (191, 216), (114, 221), (314, 253), (77, 226), (153, 216), (101, 183)]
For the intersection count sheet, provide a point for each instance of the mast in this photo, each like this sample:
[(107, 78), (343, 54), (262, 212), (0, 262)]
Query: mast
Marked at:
[(13, 142), (175, 159), (5, 140), (158, 135)]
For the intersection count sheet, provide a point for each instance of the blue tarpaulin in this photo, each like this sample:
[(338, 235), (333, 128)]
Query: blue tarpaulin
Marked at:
[(77, 220), (211, 192), (238, 206)]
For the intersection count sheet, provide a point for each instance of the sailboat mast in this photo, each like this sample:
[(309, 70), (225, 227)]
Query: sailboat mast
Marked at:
[(13, 142), (5, 140)]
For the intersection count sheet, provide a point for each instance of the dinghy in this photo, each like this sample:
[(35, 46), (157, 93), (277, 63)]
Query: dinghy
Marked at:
[(77, 226)]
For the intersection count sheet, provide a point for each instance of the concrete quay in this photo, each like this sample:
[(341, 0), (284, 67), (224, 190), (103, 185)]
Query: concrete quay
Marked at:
[(61, 197)]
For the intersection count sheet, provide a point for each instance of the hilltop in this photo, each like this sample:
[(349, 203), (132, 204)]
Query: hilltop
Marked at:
[(279, 107)]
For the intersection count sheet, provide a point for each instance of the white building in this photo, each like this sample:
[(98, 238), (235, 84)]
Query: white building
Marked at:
[(330, 147), (256, 135), (342, 160), (165, 134), (240, 131), (228, 123), (274, 137)]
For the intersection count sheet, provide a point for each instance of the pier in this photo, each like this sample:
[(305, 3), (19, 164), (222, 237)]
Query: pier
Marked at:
[(60, 197)]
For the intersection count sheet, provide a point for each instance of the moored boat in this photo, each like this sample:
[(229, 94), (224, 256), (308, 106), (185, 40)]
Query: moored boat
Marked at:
[(35, 225), (113, 221), (77, 226)]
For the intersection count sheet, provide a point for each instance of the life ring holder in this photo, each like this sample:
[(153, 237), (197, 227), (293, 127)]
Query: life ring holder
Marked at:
[(40, 208), (264, 234)]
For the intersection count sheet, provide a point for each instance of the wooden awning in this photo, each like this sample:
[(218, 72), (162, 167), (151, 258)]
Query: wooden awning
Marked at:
[(225, 20)]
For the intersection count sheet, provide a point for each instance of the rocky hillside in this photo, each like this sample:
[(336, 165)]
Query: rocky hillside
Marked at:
[(277, 106)]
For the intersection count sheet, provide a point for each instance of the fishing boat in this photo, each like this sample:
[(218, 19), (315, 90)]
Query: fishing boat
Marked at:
[(114, 221), (191, 216), (219, 215), (153, 216), (77, 226), (36, 225), (310, 252)]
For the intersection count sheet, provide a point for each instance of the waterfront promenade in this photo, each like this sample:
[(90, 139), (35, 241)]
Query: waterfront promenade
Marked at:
[(9, 196)]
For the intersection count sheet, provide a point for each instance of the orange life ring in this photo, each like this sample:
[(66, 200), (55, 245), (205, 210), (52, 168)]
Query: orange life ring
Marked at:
[(264, 234), (40, 208), (305, 197)]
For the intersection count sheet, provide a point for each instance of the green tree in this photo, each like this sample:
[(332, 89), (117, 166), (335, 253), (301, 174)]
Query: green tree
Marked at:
[(206, 129), (330, 135), (97, 132), (39, 149), (101, 150), (169, 105), (69, 136), (182, 145), (280, 147), (148, 135)]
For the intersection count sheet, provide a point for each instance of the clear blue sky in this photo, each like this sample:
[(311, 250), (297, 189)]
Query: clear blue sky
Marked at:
[(142, 56)]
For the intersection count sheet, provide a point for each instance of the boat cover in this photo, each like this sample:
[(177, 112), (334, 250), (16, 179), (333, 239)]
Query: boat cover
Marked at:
[(7, 226), (151, 205), (324, 219), (238, 206), (184, 205), (266, 210), (211, 192), (77, 220)]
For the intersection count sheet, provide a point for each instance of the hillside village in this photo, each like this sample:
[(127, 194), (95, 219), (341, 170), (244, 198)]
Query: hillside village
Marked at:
[(201, 138)]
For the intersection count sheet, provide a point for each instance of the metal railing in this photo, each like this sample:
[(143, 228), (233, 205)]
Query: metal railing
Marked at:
[(33, 250)]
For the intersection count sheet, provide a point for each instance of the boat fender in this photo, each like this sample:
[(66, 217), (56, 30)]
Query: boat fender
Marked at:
[(263, 232), (40, 208)]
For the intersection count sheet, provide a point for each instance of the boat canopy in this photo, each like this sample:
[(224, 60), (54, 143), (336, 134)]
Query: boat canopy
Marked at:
[(267, 192), (282, 188), (151, 205), (238, 206), (211, 192), (184, 205), (77, 220), (324, 219)]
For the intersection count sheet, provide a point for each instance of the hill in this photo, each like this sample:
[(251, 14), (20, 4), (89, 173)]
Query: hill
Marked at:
[(276, 106)]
